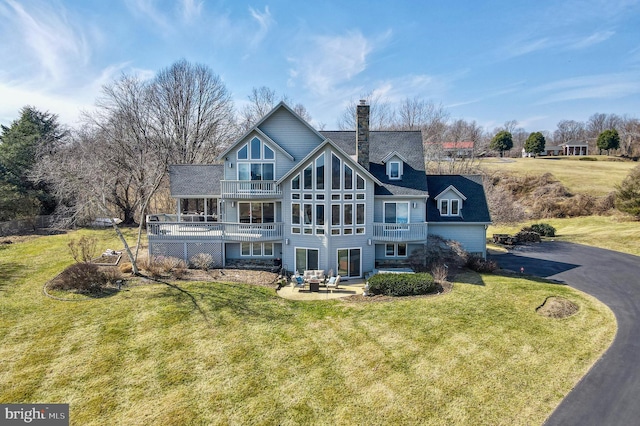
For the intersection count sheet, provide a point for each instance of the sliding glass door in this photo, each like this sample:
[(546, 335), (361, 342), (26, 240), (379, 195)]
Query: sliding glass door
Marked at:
[(349, 262), (306, 259)]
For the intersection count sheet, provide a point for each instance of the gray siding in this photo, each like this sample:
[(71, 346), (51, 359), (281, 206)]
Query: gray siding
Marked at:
[(472, 237), (291, 134)]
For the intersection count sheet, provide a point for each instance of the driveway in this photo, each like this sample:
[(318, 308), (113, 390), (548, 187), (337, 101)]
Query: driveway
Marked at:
[(608, 393)]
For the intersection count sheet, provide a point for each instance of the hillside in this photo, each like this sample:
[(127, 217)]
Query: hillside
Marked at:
[(596, 178), (536, 188)]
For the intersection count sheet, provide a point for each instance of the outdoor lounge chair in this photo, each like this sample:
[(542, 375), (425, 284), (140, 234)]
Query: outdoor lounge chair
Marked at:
[(298, 282), (333, 283)]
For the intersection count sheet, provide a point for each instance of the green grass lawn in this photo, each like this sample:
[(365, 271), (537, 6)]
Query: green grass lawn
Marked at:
[(618, 232), (592, 177), (213, 353)]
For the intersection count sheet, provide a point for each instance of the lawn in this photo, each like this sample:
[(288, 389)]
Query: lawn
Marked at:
[(593, 177), (616, 232), (215, 353)]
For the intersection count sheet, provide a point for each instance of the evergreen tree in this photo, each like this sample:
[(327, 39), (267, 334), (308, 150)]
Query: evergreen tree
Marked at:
[(502, 141), (628, 193), (609, 139), (535, 143)]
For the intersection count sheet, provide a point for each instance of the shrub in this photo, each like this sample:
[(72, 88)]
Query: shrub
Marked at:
[(83, 249), (527, 237), (478, 264), (544, 229), (437, 251), (440, 273), (126, 267), (401, 284), (201, 261), (153, 266), (82, 278), (112, 274)]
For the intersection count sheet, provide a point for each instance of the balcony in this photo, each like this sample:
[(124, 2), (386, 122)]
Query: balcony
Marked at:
[(399, 232), (218, 231), (250, 189)]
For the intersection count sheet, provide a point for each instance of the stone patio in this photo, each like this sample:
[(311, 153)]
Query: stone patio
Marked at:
[(346, 288)]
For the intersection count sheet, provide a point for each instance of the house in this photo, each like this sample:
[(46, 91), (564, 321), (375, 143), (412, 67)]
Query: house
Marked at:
[(460, 149), (549, 151), (575, 148), (345, 201)]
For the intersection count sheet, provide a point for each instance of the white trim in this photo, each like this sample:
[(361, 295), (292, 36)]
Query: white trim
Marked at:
[(295, 257), (452, 188), (262, 246), (393, 154), (395, 250), (384, 208)]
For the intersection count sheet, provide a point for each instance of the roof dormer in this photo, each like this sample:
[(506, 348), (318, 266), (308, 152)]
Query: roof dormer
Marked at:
[(450, 201), (394, 165)]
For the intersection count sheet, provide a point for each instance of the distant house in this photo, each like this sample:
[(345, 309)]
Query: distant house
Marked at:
[(462, 149), (575, 148), (287, 194), (548, 151)]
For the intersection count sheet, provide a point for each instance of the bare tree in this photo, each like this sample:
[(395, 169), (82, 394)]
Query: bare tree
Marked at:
[(193, 112), (262, 100), (381, 114), (569, 131), (630, 136)]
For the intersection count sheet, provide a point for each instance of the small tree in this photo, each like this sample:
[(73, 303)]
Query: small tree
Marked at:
[(502, 141), (628, 193), (609, 139), (535, 143), (83, 249)]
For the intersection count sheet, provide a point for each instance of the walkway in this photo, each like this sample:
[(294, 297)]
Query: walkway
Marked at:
[(608, 393)]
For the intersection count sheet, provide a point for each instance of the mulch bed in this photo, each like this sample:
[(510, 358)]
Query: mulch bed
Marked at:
[(441, 288)]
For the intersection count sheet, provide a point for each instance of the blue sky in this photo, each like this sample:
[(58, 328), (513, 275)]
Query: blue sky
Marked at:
[(491, 61)]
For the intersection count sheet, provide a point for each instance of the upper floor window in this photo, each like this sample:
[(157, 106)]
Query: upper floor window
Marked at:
[(394, 170), (250, 170), (396, 212), (450, 207)]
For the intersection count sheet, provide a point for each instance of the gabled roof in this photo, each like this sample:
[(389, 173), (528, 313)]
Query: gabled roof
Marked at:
[(319, 148), (190, 180), (458, 145), (474, 208), (263, 136), (408, 144), (391, 155), (450, 188), (574, 143)]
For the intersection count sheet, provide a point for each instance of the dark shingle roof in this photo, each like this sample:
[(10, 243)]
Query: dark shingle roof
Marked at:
[(195, 180), (381, 143), (474, 208)]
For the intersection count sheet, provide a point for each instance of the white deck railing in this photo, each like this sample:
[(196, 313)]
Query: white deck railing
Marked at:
[(160, 231), (399, 232), (250, 189)]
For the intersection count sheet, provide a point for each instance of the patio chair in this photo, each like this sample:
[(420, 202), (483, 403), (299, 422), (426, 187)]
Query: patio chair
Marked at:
[(298, 282), (333, 283)]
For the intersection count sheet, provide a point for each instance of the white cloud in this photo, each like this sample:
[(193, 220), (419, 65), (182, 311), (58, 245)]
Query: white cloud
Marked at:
[(191, 9), (47, 37), (148, 11), (590, 40), (331, 60), (264, 20), (603, 86)]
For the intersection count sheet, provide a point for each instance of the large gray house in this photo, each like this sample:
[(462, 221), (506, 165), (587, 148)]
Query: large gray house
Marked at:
[(345, 201)]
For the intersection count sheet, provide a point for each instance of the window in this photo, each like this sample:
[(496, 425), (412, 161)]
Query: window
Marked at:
[(308, 214), (295, 182), (395, 250), (359, 196), (295, 214), (320, 172), (348, 177), (256, 249), (359, 182), (359, 214), (308, 196), (394, 170), (348, 214), (455, 211), (335, 172), (307, 177), (450, 207), (320, 214), (306, 259), (295, 196), (396, 212), (256, 212), (335, 214), (255, 150)]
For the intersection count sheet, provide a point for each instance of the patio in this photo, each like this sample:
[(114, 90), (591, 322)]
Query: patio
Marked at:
[(346, 288)]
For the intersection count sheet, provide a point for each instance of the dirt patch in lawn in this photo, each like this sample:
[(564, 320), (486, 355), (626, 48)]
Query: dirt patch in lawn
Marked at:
[(557, 307), (261, 278)]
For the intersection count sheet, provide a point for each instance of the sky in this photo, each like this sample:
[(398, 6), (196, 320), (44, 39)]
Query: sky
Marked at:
[(489, 61)]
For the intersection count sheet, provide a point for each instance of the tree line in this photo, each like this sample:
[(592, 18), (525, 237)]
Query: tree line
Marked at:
[(114, 163)]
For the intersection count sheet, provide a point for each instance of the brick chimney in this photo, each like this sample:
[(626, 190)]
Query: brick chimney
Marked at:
[(362, 134)]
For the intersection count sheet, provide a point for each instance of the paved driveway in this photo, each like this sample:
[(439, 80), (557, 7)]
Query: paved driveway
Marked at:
[(610, 392)]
